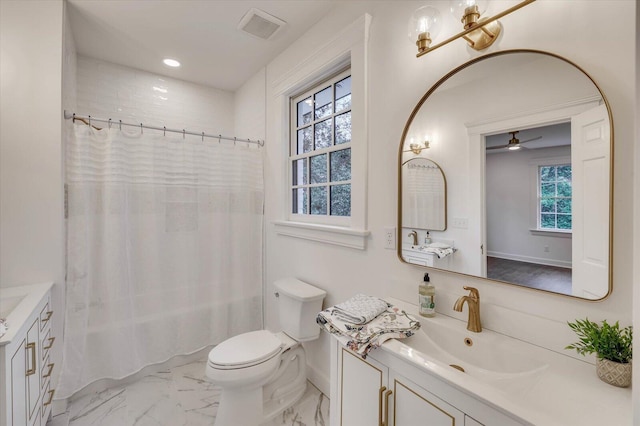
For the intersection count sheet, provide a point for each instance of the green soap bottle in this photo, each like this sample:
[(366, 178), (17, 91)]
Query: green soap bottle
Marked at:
[(427, 297)]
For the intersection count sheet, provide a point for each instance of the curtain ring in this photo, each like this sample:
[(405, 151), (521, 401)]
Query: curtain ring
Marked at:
[(74, 117), (234, 141), (89, 121), (120, 125), (202, 136), (183, 133), (164, 131), (219, 138), (109, 124), (141, 131)]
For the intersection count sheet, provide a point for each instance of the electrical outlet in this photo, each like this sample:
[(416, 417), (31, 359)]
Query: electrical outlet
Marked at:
[(460, 222), (390, 238)]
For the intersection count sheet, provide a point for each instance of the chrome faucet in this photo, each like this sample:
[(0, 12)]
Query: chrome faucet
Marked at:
[(414, 234), (473, 302)]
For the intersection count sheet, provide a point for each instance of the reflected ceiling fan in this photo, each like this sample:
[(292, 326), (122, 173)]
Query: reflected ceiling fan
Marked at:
[(514, 143)]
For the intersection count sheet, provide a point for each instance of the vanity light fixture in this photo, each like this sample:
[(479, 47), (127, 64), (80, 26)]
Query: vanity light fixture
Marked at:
[(417, 148), (479, 32)]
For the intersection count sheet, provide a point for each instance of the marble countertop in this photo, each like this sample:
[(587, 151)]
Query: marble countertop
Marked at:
[(566, 392), (17, 304)]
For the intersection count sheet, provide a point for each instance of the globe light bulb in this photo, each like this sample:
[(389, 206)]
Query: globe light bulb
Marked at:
[(468, 11), (424, 26)]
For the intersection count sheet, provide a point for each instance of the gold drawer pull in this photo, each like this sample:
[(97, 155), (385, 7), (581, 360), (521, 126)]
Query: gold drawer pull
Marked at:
[(380, 392), (386, 407), (51, 340), (51, 392), (31, 371), (48, 317), (50, 370)]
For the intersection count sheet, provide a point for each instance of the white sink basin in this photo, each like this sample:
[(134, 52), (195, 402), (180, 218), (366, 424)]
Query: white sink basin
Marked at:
[(8, 304), (489, 356), (448, 340)]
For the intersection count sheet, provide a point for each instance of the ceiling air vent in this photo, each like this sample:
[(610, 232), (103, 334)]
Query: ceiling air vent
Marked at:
[(260, 24)]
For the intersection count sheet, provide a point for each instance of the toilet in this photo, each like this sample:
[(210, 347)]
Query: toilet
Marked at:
[(263, 373)]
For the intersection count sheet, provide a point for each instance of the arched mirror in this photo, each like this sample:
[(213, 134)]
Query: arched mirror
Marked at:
[(525, 140), (424, 200)]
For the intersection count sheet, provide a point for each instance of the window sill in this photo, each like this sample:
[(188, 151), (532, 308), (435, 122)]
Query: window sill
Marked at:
[(336, 235), (551, 233)]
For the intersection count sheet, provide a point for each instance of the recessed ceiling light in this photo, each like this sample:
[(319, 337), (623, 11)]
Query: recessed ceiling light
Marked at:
[(171, 62)]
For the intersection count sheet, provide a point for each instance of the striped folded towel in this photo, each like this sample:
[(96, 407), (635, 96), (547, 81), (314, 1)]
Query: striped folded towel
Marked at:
[(392, 323), (360, 309)]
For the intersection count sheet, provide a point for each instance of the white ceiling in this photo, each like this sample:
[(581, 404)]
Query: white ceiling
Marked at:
[(201, 34)]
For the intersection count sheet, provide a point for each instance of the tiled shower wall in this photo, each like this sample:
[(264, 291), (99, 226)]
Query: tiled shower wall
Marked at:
[(107, 90)]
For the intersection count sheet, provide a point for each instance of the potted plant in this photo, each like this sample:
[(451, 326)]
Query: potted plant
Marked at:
[(612, 346)]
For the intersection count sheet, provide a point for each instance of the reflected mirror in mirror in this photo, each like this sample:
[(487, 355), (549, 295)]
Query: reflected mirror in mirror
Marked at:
[(424, 195), (526, 140)]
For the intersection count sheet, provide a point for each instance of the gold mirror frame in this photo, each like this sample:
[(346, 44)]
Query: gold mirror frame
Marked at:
[(440, 82)]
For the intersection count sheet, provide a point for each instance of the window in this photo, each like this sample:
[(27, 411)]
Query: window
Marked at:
[(554, 197), (320, 152)]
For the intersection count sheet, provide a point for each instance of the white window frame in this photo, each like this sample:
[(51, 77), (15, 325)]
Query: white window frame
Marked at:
[(535, 165), (347, 48), (327, 218)]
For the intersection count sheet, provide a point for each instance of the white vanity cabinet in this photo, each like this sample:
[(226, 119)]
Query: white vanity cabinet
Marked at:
[(25, 353), (363, 384), (380, 390), (414, 406)]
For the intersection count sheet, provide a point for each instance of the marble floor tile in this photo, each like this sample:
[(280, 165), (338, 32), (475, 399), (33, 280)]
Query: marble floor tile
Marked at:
[(178, 396)]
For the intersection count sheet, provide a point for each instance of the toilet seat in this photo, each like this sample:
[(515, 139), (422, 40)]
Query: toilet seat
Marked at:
[(245, 350)]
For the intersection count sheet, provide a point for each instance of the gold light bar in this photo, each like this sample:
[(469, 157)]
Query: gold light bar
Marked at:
[(476, 27)]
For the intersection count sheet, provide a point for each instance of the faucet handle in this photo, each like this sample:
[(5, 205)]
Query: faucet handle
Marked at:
[(473, 292)]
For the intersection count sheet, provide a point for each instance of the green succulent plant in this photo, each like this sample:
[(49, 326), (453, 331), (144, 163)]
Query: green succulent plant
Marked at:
[(606, 341)]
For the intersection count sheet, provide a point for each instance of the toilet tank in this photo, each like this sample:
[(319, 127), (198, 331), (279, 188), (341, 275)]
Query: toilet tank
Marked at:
[(299, 304)]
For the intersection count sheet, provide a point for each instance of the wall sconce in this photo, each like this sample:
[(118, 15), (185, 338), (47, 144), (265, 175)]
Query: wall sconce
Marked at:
[(479, 32), (417, 148)]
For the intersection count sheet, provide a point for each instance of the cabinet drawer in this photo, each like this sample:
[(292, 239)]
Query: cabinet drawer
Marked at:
[(46, 372), (46, 343), (45, 316), (47, 399)]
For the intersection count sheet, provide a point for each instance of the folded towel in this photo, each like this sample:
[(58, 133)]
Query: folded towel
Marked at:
[(3, 326), (393, 323), (439, 245), (360, 309), (440, 252)]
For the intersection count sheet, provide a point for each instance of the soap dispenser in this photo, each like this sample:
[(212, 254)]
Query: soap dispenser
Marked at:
[(427, 238), (427, 297)]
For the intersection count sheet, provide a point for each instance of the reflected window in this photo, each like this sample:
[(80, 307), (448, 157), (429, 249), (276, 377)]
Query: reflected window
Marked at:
[(320, 149), (554, 197)]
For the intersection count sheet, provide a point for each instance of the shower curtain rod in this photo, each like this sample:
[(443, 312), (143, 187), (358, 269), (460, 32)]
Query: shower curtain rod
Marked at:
[(88, 119)]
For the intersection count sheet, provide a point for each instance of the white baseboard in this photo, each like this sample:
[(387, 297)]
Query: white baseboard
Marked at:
[(319, 380), (530, 259)]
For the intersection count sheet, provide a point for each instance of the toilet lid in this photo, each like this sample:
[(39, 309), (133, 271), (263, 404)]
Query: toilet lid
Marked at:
[(246, 349)]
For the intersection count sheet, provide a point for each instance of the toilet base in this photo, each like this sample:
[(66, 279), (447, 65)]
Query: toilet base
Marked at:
[(240, 407)]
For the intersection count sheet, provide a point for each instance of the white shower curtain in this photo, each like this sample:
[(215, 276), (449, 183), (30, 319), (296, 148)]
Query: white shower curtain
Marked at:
[(164, 249)]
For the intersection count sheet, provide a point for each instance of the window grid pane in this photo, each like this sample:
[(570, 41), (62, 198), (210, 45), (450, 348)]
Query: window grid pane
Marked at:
[(555, 197), (322, 121)]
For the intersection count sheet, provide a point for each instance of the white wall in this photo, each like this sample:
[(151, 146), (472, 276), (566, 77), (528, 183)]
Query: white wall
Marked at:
[(397, 80), (31, 207), (510, 185), (636, 231), (249, 105), (107, 90)]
